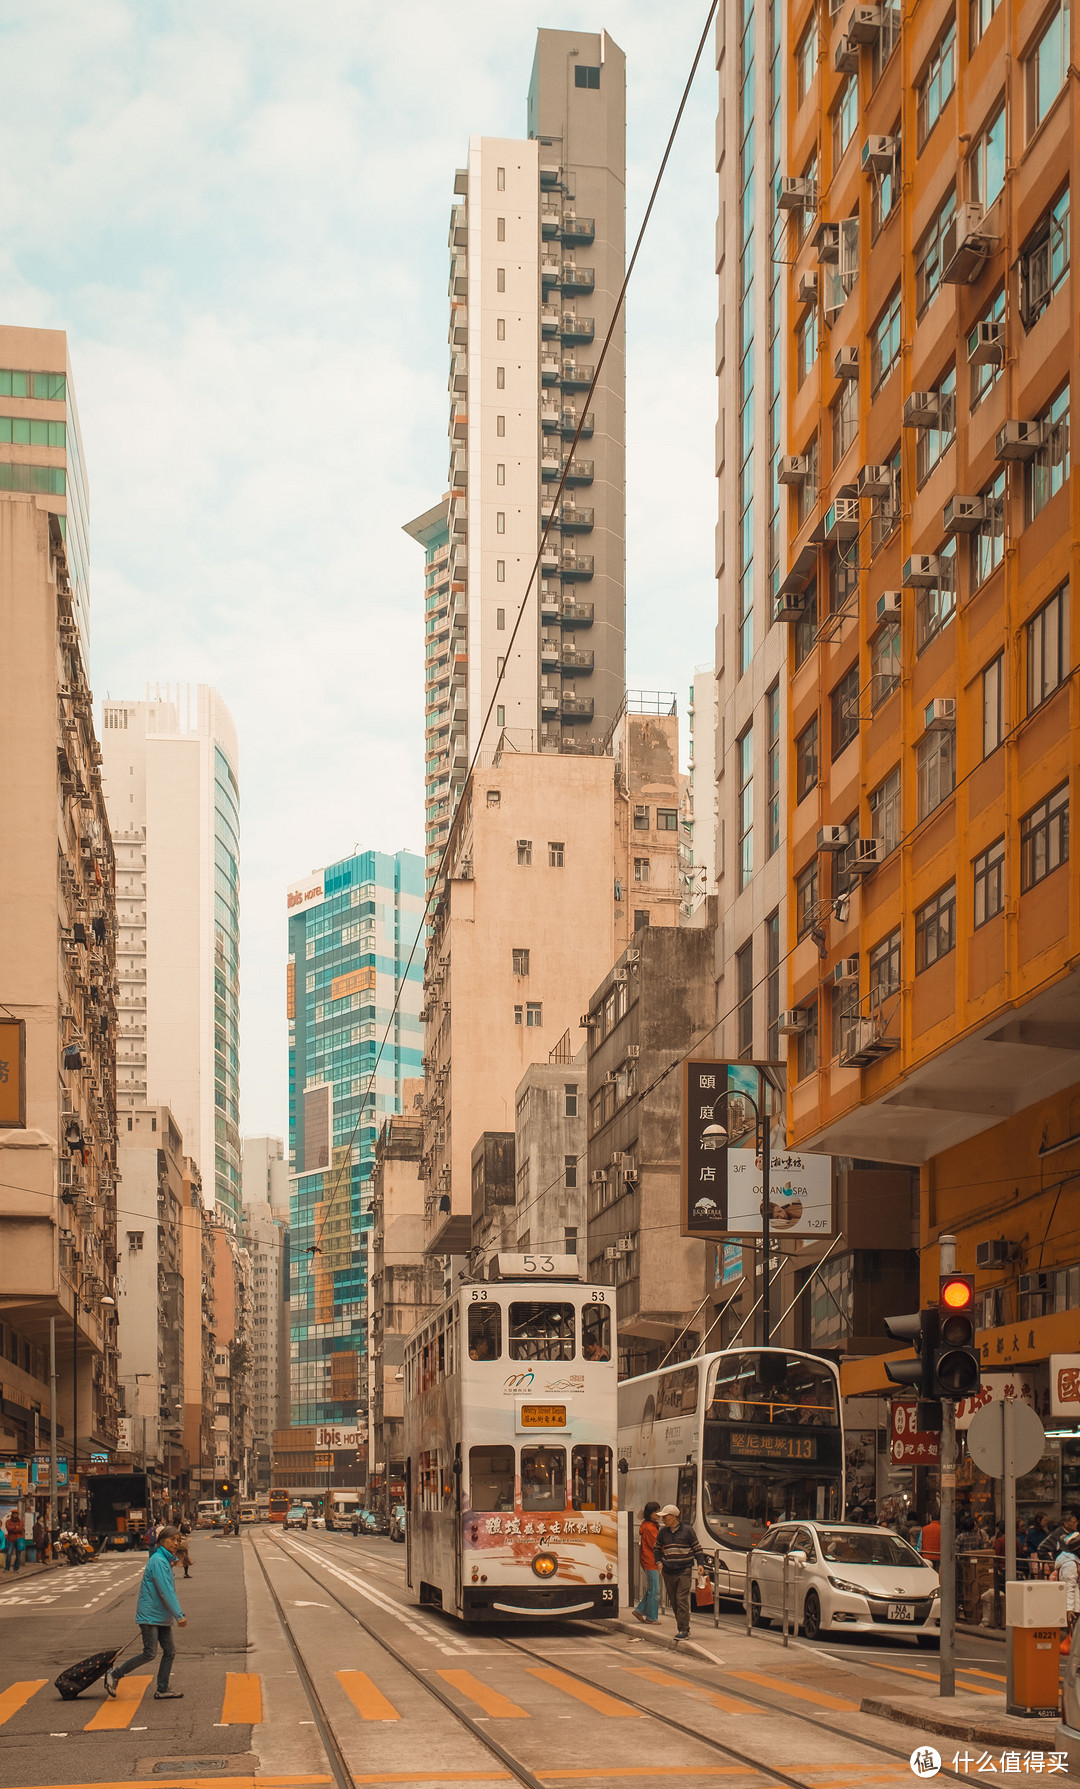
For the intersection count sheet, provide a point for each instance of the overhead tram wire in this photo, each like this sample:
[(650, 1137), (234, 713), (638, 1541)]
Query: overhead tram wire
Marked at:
[(316, 1247)]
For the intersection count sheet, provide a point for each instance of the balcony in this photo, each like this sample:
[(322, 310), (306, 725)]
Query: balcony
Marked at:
[(550, 600), (577, 662), (580, 472), (549, 559), (575, 565), (550, 270), (550, 220), (550, 652), (578, 279), (573, 520), (550, 319), (575, 614), (578, 229), (576, 378), (550, 697), (550, 464), (550, 416), (549, 369), (570, 422), (578, 708), (576, 329)]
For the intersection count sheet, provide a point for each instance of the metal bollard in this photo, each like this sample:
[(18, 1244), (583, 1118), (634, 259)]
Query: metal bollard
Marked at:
[(787, 1581)]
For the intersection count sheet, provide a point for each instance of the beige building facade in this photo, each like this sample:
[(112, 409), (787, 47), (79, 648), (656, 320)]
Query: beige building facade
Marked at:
[(396, 1294), (150, 1293), (199, 1270)]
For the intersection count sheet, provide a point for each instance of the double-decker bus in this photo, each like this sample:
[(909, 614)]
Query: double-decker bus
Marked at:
[(510, 1428), (279, 1505), (739, 1440)]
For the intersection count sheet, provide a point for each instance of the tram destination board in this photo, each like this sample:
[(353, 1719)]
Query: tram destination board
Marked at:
[(542, 1416), (765, 1444)]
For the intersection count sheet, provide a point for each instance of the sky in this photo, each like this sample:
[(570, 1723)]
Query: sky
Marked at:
[(238, 209)]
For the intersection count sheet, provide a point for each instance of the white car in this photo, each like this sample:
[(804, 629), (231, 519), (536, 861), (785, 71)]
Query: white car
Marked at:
[(844, 1579)]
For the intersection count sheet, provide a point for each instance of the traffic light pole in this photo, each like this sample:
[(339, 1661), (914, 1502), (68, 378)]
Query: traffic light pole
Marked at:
[(947, 1568)]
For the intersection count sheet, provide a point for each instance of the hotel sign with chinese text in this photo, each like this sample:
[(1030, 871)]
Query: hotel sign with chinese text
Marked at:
[(12, 1074), (704, 1160)]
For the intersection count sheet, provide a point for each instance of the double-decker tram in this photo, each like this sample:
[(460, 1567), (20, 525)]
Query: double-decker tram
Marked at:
[(510, 1430), (739, 1439)]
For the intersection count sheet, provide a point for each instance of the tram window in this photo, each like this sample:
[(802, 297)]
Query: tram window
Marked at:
[(590, 1477), (491, 1478), (429, 1481), (543, 1477), (485, 1331), (596, 1332), (677, 1393), (541, 1331)]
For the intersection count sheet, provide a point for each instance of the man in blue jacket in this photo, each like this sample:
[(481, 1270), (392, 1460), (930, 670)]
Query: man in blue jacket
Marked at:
[(155, 1612)]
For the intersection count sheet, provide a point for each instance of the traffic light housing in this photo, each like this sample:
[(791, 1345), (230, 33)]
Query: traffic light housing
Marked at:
[(957, 1371), (225, 1489), (920, 1328)]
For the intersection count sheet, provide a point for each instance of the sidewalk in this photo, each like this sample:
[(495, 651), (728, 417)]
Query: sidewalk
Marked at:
[(28, 1571)]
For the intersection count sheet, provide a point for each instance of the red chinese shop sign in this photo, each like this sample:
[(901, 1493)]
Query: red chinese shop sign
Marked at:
[(911, 1446)]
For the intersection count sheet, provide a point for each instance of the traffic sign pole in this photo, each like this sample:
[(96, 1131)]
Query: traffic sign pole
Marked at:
[(1008, 1461), (947, 1562)]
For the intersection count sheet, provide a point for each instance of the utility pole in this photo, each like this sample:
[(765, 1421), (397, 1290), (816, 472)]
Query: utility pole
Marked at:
[(52, 1427), (766, 1241), (947, 1567)]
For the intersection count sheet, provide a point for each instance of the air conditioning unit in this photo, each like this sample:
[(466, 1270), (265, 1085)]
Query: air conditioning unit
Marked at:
[(842, 520), (612, 1254), (633, 956), (794, 469), (940, 715), (633, 1051), (791, 1023), (832, 838), (846, 55), (966, 245), (598, 1177), (827, 243), (795, 194), (922, 410), (807, 288), (963, 515), (890, 605), (846, 363), (868, 1045), (864, 23), (1018, 440), (790, 605), (986, 344), (879, 154), (875, 481), (922, 571), (619, 1161), (845, 971), (992, 1254), (863, 855), (586, 1020)]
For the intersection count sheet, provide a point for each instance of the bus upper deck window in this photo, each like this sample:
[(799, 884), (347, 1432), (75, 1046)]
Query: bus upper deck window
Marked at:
[(491, 1478), (596, 1332), (541, 1331), (543, 1478), (485, 1331)]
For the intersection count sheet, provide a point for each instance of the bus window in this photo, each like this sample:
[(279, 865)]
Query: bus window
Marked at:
[(596, 1332), (485, 1331), (543, 1476), (590, 1477), (491, 1476), (541, 1331), (677, 1392)]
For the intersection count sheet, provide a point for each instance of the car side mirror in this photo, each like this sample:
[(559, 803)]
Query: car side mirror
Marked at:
[(797, 1556)]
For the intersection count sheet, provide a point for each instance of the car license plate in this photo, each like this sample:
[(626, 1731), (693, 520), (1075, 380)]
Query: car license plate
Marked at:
[(901, 1612)]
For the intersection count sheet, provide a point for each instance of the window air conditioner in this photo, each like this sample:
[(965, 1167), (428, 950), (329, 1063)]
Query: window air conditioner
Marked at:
[(879, 154), (633, 956), (992, 1254), (875, 481), (619, 1160), (795, 194), (922, 410), (890, 605), (966, 245), (864, 23), (791, 1023), (846, 363), (807, 288), (1018, 440), (841, 520), (922, 571), (986, 344), (598, 1177), (846, 55), (633, 1051), (863, 855), (612, 1254), (794, 469), (832, 838), (940, 715), (963, 515), (845, 971), (827, 243), (789, 606)]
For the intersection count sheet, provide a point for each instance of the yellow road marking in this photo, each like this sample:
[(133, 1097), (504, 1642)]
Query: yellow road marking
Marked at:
[(18, 1695), (973, 1671), (729, 1704), (490, 1700), (243, 1699), (415, 1776), (655, 1772), (367, 1698), (248, 1782), (976, 1689), (121, 1711), (584, 1692), (787, 1688)]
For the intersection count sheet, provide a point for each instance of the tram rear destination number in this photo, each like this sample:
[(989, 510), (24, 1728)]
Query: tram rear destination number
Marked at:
[(543, 1416), (754, 1446)]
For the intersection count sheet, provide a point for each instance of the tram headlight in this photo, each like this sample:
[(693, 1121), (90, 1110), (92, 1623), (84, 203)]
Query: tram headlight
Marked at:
[(545, 1565)]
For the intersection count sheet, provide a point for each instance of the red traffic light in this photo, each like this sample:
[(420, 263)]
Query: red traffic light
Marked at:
[(957, 1292)]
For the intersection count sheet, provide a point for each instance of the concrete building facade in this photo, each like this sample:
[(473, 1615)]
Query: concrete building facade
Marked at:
[(550, 1166), (199, 1271), (150, 1295), (171, 784), (397, 1290), (265, 1185)]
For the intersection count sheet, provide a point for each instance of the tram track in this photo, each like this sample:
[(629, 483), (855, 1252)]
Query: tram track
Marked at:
[(521, 1772)]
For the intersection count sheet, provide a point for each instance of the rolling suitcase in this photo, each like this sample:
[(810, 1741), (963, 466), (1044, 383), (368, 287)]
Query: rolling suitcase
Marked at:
[(79, 1677)]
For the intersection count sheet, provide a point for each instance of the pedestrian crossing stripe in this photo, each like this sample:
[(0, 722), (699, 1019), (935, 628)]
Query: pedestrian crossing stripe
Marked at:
[(975, 1689), (491, 1700), (716, 1698), (242, 1706), (584, 1692), (18, 1695), (801, 1690), (366, 1697), (120, 1711)]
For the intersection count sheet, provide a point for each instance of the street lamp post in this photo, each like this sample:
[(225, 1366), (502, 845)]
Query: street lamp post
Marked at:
[(763, 1142), (82, 1282)]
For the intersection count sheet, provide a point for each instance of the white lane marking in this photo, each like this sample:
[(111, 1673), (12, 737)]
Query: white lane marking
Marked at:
[(423, 1631), (311, 1605)]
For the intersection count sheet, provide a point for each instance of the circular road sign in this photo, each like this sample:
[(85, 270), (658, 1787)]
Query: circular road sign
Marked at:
[(986, 1441)]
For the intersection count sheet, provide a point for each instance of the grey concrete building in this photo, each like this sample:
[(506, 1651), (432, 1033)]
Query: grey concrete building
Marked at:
[(265, 1188), (550, 1166)]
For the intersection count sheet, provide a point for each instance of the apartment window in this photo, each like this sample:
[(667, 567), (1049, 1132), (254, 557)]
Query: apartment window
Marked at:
[(993, 705), (500, 329), (744, 978), (500, 521), (500, 229), (772, 985), (884, 964), (641, 869), (806, 344), (570, 1179), (935, 928), (885, 511), (988, 540), (888, 36), (556, 854), (885, 342), (986, 163), (500, 425), (884, 186), (806, 627), (935, 608), (772, 771), (808, 1042), (500, 716), (844, 877), (500, 474), (982, 11), (500, 279), (1046, 68), (845, 116), (930, 253), (932, 443), (843, 577), (935, 770), (1044, 260), (806, 760), (745, 752), (570, 1099), (524, 851), (845, 1018), (986, 373), (500, 571), (806, 58), (500, 619), (534, 1013), (1047, 648), (519, 1015), (1044, 838), (641, 918), (885, 811), (500, 378), (845, 418), (988, 877), (641, 817), (1047, 472), (806, 898), (808, 490), (585, 76), (667, 819), (500, 179), (844, 702), (521, 961), (884, 663), (937, 83)]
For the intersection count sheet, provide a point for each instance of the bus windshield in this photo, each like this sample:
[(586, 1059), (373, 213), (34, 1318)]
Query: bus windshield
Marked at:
[(763, 1387), (772, 1444)]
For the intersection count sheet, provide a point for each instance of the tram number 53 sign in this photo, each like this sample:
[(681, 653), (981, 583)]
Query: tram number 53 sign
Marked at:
[(537, 1267)]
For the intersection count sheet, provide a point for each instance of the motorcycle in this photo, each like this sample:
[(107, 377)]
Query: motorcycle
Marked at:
[(75, 1547)]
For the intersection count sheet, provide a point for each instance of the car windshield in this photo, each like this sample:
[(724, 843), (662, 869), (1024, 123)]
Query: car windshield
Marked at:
[(298, 1510), (861, 1546)]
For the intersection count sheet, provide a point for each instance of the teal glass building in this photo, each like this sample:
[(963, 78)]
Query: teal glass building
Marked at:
[(352, 931)]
